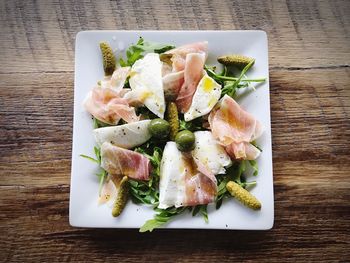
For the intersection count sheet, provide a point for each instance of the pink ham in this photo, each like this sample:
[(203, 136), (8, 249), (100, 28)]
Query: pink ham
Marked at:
[(235, 128), (107, 105), (200, 190), (123, 162), (178, 55), (117, 80), (200, 183), (242, 150), (193, 74), (183, 180)]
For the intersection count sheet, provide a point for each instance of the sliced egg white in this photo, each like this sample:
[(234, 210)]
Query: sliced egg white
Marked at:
[(204, 99), (172, 177), (210, 153), (146, 81), (126, 136)]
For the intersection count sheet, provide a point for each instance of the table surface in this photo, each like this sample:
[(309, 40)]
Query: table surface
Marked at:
[(309, 52)]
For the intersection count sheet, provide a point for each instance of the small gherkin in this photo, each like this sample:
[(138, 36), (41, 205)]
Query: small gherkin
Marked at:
[(122, 197), (243, 195), (109, 61), (173, 119), (238, 61)]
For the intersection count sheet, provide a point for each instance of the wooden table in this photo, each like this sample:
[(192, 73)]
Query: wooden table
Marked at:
[(309, 45)]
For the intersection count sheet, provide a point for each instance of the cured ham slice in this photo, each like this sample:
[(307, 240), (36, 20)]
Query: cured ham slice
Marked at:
[(177, 56), (192, 75), (242, 150), (107, 106), (119, 161), (117, 80), (235, 128), (181, 182)]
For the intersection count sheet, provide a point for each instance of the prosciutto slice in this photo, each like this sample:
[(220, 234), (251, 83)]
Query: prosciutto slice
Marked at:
[(192, 75), (177, 56), (108, 106), (123, 162), (117, 80), (242, 150), (235, 129), (182, 182)]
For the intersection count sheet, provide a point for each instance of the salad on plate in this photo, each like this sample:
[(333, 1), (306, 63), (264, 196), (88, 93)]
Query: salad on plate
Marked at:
[(169, 131)]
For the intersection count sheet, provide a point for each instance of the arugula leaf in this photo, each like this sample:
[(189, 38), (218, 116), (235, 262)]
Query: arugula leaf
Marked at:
[(233, 173), (254, 165), (204, 212), (202, 209), (162, 217), (99, 124), (102, 175), (220, 78), (89, 158), (147, 192), (101, 179), (194, 125), (136, 52)]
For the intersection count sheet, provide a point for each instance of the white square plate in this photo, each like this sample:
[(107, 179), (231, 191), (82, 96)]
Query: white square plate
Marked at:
[(84, 210)]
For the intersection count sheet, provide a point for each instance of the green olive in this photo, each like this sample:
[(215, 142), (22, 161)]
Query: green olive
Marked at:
[(159, 128), (185, 140)]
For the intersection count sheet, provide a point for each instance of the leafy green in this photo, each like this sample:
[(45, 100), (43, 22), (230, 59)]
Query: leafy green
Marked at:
[(99, 124), (229, 83), (146, 113), (234, 173), (221, 78), (89, 158), (147, 192), (194, 125), (254, 165), (102, 175), (162, 217), (202, 209), (135, 52)]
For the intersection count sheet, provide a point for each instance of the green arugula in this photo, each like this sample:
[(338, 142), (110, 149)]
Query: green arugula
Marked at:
[(254, 165), (221, 78), (102, 175), (230, 84), (162, 217), (194, 125), (203, 210), (146, 192), (136, 52), (233, 173), (99, 124)]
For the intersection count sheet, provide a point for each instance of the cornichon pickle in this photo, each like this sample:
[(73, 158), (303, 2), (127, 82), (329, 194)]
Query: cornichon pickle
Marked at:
[(109, 61), (243, 195), (239, 61), (159, 128), (122, 197), (173, 119), (185, 140)]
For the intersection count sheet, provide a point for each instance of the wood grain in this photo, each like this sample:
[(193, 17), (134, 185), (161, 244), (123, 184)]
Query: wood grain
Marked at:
[(309, 56)]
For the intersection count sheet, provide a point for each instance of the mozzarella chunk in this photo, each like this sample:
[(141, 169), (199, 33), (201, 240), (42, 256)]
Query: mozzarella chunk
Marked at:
[(126, 136), (204, 99), (172, 173), (146, 82), (210, 153)]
